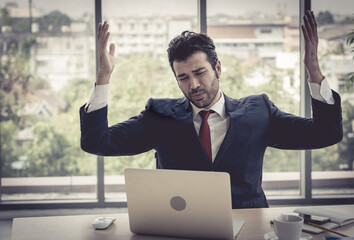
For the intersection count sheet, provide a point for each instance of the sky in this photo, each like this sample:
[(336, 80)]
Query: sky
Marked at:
[(184, 7)]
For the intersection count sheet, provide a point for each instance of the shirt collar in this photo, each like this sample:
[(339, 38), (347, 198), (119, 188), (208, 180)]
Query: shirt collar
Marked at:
[(218, 107)]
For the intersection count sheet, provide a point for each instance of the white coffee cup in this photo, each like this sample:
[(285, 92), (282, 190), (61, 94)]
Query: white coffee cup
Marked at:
[(288, 227)]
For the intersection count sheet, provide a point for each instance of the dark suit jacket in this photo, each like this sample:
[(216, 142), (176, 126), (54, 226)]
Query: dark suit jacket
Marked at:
[(166, 125)]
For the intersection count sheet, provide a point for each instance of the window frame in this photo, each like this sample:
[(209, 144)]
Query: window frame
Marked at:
[(305, 197)]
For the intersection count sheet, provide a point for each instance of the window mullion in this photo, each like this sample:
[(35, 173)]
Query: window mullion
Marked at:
[(202, 21), (100, 159), (305, 111)]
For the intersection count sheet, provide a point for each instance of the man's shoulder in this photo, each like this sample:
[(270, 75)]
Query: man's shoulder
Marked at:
[(164, 106), (251, 99), (164, 102)]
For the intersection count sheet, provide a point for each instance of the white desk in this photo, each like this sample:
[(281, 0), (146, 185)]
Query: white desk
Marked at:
[(79, 227)]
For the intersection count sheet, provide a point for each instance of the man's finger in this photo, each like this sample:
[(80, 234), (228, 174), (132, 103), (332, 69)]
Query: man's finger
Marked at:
[(102, 29), (99, 30), (106, 26), (315, 26), (312, 21), (308, 28), (106, 40), (306, 36), (112, 48)]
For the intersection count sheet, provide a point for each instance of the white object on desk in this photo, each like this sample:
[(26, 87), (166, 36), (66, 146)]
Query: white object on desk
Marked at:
[(340, 218), (337, 219), (288, 227), (273, 236), (103, 222)]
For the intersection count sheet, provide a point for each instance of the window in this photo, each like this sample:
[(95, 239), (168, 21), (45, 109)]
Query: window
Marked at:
[(261, 67), (42, 63), (119, 27), (79, 47), (149, 74), (41, 157), (132, 26), (42, 45), (266, 31), (257, 42), (332, 167), (145, 26)]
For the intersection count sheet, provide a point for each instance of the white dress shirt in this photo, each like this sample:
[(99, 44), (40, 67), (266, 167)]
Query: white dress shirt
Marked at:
[(219, 121)]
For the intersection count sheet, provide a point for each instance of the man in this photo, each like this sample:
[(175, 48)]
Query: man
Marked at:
[(231, 138)]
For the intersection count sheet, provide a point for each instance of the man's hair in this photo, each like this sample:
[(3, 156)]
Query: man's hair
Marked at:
[(184, 45)]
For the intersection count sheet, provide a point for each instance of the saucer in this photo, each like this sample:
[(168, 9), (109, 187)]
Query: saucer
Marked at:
[(272, 236)]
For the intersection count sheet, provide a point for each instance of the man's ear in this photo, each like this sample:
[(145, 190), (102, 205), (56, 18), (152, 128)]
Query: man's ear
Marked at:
[(218, 68)]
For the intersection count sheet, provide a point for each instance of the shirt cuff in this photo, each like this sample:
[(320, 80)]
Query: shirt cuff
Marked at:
[(322, 92), (98, 98)]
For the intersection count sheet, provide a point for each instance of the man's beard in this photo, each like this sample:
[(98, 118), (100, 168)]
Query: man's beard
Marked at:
[(209, 94)]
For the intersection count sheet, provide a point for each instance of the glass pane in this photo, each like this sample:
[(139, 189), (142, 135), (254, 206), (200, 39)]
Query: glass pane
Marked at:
[(141, 31), (332, 167), (47, 64), (258, 45)]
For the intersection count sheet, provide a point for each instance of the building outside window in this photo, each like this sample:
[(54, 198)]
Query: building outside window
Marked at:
[(42, 88), (252, 43), (142, 70), (332, 167)]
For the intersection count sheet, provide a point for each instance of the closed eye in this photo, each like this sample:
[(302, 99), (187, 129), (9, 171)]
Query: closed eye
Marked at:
[(200, 73), (183, 79)]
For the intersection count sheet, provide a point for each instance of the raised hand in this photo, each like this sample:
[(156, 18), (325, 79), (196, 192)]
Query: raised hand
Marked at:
[(309, 29), (105, 59)]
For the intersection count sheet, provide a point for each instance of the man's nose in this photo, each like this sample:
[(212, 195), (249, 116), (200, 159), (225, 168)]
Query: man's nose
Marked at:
[(194, 83)]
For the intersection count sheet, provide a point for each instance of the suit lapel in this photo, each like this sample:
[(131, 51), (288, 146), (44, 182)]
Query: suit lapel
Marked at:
[(238, 117), (183, 113)]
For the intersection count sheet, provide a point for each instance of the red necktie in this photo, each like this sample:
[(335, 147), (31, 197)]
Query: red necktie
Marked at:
[(204, 133)]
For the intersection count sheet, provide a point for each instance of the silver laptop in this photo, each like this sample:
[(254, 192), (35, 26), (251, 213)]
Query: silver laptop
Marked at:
[(177, 203)]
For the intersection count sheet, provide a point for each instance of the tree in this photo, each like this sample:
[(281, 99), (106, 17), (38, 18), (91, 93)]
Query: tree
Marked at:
[(49, 152), (350, 42), (14, 83), (14, 71), (141, 76), (55, 149), (53, 22), (330, 158), (16, 87), (5, 19), (324, 18), (10, 151), (279, 160), (18, 25), (137, 78), (232, 78)]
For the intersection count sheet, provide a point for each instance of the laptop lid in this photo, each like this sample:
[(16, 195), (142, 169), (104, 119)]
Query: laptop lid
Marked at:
[(180, 203)]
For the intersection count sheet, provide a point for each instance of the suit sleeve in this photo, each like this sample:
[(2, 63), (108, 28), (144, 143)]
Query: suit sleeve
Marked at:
[(291, 132), (131, 137)]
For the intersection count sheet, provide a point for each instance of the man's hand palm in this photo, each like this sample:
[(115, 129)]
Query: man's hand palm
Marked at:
[(106, 60)]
